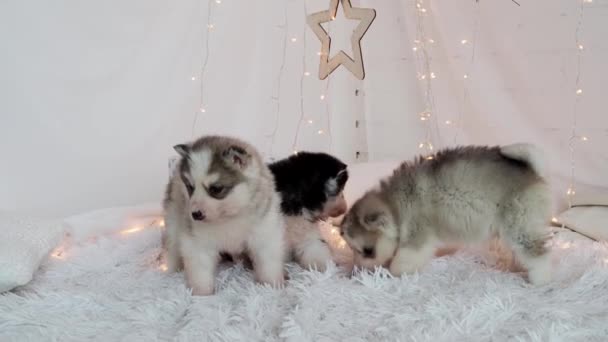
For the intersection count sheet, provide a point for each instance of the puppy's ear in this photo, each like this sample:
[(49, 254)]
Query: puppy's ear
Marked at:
[(376, 219), (237, 156), (182, 149)]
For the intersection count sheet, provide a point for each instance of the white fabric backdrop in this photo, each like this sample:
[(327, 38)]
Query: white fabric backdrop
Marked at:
[(94, 94)]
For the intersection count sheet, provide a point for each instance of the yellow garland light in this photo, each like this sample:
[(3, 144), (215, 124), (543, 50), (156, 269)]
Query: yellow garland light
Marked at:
[(132, 230)]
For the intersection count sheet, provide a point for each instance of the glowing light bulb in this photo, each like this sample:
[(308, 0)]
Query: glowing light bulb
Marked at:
[(135, 229), (421, 145), (203, 110), (579, 91), (193, 78), (306, 73), (319, 53), (429, 158), (448, 122), (218, 1), (295, 152), (415, 48), (431, 41), (433, 75), (418, 5), (417, 41), (588, 1), (465, 76), (320, 131), (163, 267), (210, 27), (464, 41), (59, 253), (570, 192), (423, 77), (584, 138), (310, 122), (161, 222), (581, 47), (294, 39), (322, 97), (423, 10), (554, 219)]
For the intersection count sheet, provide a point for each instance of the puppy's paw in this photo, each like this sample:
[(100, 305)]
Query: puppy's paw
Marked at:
[(202, 291), (276, 282), (539, 276), (398, 268)]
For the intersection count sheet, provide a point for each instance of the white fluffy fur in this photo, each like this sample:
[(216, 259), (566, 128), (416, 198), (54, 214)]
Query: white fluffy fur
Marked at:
[(470, 200), (305, 241), (111, 289), (232, 225)]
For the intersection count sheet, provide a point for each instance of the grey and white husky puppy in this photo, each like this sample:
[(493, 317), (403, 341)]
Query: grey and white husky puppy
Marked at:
[(222, 198), (459, 195)]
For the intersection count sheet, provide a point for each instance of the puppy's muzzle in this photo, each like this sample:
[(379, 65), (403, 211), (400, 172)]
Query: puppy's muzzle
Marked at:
[(339, 208)]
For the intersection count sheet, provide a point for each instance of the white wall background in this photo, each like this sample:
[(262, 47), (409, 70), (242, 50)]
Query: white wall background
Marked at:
[(93, 94)]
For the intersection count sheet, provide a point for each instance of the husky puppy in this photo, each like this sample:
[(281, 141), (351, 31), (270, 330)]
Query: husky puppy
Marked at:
[(464, 194), (222, 199), (310, 185)]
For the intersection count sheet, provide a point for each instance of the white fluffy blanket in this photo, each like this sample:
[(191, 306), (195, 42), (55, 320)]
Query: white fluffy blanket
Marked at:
[(112, 288)]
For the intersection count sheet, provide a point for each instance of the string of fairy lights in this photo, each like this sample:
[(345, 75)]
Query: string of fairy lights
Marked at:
[(322, 97), (207, 33), (425, 74), (574, 136), (468, 73), (304, 74), (277, 97)]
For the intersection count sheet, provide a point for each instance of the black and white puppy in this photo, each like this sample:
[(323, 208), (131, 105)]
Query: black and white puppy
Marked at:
[(311, 189)]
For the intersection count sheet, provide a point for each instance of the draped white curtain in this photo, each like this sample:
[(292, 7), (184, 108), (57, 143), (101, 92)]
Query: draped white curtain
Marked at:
[(94, 94)]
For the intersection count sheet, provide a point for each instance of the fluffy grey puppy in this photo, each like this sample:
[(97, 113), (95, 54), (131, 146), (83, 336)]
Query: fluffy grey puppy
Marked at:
[(460, 195), (222, 199)]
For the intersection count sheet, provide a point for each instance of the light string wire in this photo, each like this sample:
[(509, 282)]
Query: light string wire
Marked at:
[(277, 96), (207, 34), (324, 98), (297, 134), (428, 116), (570, 192), (467, 75)]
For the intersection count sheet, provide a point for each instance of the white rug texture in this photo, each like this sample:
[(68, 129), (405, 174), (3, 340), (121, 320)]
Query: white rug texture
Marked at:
[(112, 288)]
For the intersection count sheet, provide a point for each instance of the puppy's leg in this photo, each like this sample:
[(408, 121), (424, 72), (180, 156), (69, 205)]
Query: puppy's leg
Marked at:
[(267, 251), (312, 250), (532, 251), (169, 243), (411, 257), (200, 271), (525, 218), (174, 260)]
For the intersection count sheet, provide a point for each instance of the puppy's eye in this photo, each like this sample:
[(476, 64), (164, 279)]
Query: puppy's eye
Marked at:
[(216, 190), (341, 233)]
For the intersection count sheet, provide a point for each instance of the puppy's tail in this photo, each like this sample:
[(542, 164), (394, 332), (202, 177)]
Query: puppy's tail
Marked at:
[(529, 154)]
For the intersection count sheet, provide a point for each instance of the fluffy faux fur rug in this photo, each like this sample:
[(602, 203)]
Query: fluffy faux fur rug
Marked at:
[(112, 288)]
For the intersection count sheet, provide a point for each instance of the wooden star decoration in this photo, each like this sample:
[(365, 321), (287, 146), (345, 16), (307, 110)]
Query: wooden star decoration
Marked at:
[(327, 65)]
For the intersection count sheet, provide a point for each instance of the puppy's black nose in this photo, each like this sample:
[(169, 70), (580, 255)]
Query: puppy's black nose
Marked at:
[(198, 215), (368, 252)]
